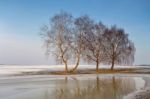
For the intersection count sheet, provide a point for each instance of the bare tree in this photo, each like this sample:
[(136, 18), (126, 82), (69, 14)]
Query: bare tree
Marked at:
[(118, 48), (58, 37), (91, 35), (63, 39), (77, 47), (70, 39)]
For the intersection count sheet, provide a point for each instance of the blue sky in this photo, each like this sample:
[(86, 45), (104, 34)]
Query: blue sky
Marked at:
[(20, 22)]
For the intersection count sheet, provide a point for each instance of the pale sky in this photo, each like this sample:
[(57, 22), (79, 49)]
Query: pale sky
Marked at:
[(20, 22)]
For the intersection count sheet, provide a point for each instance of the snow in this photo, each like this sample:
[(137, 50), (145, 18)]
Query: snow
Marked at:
[(16, 69), (139, 83), (143, 93)]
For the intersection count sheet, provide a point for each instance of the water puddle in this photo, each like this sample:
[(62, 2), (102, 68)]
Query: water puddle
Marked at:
[(84, 87)]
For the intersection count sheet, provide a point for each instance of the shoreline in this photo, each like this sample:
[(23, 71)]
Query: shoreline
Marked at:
[(141, 94), (59, 70), (89, 71)]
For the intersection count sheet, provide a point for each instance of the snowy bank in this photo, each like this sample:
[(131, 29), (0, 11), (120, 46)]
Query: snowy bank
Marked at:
[(17, 69), (140, 94)]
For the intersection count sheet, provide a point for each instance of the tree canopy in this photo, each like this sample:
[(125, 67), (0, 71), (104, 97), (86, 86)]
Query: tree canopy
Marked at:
[(70, 38)]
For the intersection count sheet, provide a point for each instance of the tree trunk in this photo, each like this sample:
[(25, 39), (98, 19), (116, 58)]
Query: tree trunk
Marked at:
[(97, 65), (113, 58), (77, 64), (66, 66), (65, 63), (112, 65)]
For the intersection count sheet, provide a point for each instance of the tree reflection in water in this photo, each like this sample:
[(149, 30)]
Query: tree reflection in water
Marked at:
[(99, 88)]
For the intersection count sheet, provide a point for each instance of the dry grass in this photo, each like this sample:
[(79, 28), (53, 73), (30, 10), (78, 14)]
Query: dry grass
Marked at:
[(91, 71)]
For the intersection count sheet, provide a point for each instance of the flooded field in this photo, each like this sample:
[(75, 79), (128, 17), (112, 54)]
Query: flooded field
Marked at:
[(72, 87)]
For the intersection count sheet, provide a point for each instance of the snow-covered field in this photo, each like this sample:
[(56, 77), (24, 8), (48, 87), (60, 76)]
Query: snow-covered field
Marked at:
[(16, 69)]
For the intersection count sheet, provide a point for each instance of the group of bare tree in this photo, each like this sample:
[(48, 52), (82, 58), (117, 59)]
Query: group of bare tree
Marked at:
[(71, 39)]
